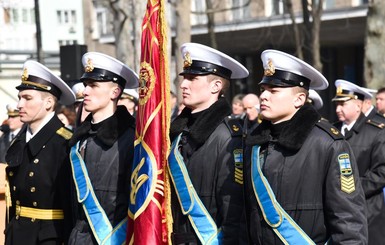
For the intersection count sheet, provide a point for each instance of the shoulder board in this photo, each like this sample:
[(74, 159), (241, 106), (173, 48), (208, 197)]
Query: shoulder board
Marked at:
[(330, 129), (64, 132), (234, 125), (376, 124)]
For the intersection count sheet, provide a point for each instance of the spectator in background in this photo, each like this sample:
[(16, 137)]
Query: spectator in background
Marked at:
[(251, 107), (67, 116), (11, 129), (380, 101), (129, 99), (237, 107)]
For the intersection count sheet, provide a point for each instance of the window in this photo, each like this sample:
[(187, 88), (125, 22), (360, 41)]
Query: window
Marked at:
[(242, 11), (278, 7), (200, 7), (15, 16)]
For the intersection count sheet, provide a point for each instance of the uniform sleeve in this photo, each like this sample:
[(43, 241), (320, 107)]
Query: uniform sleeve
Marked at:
[(230, 192), (344, 201), (373, 181)]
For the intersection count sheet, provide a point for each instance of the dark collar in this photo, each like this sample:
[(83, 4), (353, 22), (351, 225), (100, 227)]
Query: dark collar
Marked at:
[(110, 129), (204, 125), (41, 138), (293, 135), (357, 127)]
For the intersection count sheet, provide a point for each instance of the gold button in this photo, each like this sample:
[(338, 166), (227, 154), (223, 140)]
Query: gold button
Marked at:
[(36, 161), (34, 204), (33, 189), (17, 202), (31, 174), (11, 173), (33, 220), (14, 188)]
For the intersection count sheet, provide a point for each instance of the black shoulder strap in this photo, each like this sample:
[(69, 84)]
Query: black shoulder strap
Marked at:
[(234, 125), (375, 123), (330, 129)]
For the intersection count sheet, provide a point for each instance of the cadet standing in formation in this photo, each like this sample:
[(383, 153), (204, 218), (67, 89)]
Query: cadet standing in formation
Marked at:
[(206, 153), (367, 140), (102, 153), (38, 170), (301, 178)]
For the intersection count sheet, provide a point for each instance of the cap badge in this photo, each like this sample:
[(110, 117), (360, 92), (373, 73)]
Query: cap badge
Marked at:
[(339, 90), (24, 76), (270, 70), (89, 67), (187, 60)]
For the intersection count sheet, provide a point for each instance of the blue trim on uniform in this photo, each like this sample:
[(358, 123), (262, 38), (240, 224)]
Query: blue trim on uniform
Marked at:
[(97, 218), (203, 224), (282, 224)]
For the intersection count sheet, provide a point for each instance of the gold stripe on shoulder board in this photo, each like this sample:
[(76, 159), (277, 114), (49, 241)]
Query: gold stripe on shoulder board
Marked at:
[(64, 132)]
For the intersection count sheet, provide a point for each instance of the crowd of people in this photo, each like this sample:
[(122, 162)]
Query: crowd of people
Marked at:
[(263, 169)]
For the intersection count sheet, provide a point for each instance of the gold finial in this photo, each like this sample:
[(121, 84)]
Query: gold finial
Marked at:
[(24, 76), (270, 70), (89, 67), (187, 60)]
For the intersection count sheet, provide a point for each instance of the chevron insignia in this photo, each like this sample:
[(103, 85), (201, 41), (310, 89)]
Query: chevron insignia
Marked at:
[(347, 184)]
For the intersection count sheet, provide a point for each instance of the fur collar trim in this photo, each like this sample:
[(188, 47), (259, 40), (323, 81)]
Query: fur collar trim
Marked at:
[(293, 135), (204, 125), (110, 129)]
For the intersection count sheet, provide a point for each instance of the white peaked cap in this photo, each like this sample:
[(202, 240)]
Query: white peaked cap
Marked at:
[(203, 60), (284, 70), (38, 77)]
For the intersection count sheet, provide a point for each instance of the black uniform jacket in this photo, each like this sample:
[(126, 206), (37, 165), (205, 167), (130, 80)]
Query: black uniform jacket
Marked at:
[(367, 139), (108, 158), (4, 144), (39, 176), (208, 150), (303, 170)]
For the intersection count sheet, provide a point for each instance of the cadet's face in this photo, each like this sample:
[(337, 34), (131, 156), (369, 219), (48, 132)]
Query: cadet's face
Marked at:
[(97, 95), (277, 103), (197, 92), (32, 106), (348, 111), (380, 102)]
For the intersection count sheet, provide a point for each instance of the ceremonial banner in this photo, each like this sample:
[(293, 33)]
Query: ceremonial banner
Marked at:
[(149, 215)]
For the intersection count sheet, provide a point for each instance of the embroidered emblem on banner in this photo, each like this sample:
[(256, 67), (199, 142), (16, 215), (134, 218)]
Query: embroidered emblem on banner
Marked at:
[(238, 160), (347, 179), (146, 82)]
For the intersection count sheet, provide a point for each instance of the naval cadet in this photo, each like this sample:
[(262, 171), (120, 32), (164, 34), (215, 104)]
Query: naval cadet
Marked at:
[(13, 127), (367, 139), (301, 178), (38, 170), (102, 153), (206, 152), (368, 108)]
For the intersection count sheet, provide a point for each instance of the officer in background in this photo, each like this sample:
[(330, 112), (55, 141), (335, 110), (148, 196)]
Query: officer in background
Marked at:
[(206, 151), (251, 107), (103, 145), (367, 139), (380, 101), (368, 109), (13, 127), (301, 178), (129, 99), (38, 170)]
